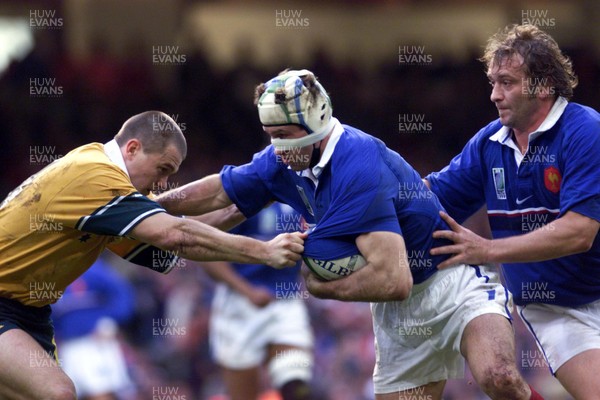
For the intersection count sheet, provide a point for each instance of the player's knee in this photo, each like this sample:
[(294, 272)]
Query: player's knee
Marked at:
[(289, 365), (503, 381)]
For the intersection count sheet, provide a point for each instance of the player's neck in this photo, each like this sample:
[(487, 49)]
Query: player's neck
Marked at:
[(521, 135)]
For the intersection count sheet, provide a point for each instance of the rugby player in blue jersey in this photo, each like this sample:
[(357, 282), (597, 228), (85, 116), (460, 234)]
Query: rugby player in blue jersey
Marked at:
[(259, 318), (363, 197), (537, 170)]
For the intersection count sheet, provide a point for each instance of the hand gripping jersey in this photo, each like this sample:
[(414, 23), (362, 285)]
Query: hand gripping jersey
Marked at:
[(54, 226), (364, 187), (268, 223), (560, 172)]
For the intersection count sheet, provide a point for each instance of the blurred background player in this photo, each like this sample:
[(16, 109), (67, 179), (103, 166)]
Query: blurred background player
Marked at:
[(87, 320), (259, 318)]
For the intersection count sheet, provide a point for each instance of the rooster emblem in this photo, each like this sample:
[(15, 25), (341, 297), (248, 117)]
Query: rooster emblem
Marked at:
[(552, 179)]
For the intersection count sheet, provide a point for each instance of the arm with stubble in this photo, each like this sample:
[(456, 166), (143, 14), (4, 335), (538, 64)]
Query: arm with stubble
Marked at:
[(197, 241), (386, 277)]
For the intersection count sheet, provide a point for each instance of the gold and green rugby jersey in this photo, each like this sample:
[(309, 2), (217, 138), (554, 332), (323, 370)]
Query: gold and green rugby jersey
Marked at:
[(54, 226)]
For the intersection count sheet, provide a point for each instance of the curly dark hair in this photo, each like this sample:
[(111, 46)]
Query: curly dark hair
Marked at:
[(543, 60)]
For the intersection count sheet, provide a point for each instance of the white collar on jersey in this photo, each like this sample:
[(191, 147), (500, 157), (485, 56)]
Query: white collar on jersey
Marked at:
[(504, 134), (113, 151), (334, 137)]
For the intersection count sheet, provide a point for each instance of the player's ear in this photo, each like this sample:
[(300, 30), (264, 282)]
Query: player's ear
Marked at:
[(132, 147)]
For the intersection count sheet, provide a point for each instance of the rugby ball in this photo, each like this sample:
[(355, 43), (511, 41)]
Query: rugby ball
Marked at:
[(330, 270)]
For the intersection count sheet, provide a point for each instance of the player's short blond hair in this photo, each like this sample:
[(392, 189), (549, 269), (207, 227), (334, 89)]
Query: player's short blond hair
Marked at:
[(542, 58)]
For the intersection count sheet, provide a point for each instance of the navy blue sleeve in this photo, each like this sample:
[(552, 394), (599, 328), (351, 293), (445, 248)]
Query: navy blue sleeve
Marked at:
[(152, 258), (119, 216)]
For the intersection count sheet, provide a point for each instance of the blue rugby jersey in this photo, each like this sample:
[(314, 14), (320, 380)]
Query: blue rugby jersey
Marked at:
[(364, 187), (560, 172), (268, 223)]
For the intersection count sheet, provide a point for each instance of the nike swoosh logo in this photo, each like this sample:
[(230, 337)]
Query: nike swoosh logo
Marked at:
[(519, 202)]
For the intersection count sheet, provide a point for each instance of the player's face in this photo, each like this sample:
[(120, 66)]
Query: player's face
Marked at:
[(297, 158), (517, 107), (150, 171)]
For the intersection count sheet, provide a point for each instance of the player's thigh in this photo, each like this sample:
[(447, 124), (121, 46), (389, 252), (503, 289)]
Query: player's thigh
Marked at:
[(579, 375), (488, 345), (27, 369), (431, 391), (242, 384)]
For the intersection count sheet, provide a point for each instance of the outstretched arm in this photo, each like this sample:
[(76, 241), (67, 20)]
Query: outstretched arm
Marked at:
[(386, 276), (223, 219), (197, 241), (195, 198), (572, 233)]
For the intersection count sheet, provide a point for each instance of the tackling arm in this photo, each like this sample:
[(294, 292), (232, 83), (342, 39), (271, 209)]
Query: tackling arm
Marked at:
[(197, 241), (223, 219), (386, 276)]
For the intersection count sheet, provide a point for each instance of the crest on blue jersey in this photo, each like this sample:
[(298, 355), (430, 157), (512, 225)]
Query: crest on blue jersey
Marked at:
[(499, 183)]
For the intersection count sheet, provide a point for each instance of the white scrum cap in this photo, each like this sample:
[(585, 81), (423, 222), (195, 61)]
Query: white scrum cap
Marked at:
[(287, 100)]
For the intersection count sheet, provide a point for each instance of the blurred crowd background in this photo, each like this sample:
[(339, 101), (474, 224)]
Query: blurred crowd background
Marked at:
[(78, 80)]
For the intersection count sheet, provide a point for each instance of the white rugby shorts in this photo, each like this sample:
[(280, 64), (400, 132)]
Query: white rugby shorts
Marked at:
[(562, 332), (417, 340), (240, 331), (96, 365)]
